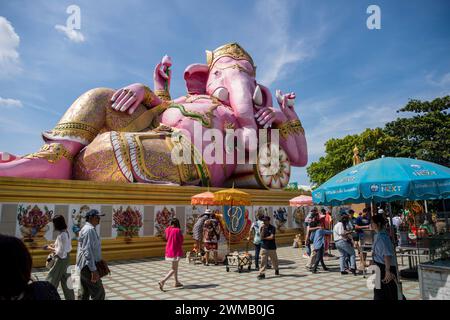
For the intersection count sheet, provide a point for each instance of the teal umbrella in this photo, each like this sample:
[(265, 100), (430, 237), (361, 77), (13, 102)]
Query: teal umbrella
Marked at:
[(386, 179)]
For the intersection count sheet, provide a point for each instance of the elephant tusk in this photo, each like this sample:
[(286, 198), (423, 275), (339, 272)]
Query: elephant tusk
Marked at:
[(291, 102), (221, 94), (257, 96), (279, 97), (5, 156)]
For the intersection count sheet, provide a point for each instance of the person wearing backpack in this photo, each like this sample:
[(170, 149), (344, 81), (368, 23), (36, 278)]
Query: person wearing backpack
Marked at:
[(211, 236), (61, 249), (256, 230)]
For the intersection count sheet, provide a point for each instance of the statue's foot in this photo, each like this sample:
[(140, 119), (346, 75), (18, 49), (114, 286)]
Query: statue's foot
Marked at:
[(51, 162), (7, 157), (37, 168)]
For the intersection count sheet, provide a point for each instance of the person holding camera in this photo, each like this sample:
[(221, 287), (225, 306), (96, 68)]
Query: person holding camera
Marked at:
[(61, 249), (89, 254)]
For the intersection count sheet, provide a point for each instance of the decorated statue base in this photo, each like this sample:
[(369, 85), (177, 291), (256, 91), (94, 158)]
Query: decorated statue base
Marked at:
[(136, 215)]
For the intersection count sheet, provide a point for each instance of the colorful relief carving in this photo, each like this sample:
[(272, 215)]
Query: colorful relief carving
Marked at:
[(33, 221), (162, 219), (280, 218), (127, 222)]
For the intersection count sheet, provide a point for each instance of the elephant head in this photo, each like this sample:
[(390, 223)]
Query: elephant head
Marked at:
[(229, 75)]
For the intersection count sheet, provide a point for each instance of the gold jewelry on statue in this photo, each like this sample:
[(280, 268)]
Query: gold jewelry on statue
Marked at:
[(163, 95), (239, 67), (232, 50), (76, 129), (290, 127), (148, 119), (52, 152), (148, 97)]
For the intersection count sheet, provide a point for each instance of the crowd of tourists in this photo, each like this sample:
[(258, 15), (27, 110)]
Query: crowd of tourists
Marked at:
[(348, 235)]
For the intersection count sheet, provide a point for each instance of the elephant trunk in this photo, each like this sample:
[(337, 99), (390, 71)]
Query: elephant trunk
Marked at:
[(241, 100)]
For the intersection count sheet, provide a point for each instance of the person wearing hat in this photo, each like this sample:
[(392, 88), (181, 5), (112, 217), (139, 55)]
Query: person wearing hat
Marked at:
[(88, 254), (268, 248), (197, 229)]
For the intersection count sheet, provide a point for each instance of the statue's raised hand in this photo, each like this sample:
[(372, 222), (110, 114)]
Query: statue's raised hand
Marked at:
[(287, 102), (162, 74), (128, 98)]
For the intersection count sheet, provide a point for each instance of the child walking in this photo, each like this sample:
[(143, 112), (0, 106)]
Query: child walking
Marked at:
[(174, 251)]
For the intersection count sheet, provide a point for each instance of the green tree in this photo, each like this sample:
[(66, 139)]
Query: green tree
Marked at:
[(372, 144), (426, 135)]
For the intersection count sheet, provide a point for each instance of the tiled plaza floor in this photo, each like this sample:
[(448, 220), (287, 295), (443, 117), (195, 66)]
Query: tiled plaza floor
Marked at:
[(137, 279)]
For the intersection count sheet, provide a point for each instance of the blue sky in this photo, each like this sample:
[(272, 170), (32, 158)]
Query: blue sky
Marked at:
[(346, 77)]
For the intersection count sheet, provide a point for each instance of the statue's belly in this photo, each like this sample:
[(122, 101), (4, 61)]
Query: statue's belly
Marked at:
[(195, 119), (135, 157)]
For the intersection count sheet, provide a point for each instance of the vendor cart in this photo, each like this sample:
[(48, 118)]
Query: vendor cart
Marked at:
[(194, 257), (239, 261)]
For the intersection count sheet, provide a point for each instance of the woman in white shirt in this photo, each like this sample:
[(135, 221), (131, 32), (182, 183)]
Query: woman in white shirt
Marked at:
[(61, 248)]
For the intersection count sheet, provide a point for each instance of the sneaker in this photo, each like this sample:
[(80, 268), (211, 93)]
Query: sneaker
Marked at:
[(353, 271), (277, 272), (261, 276), (344, 272), (326, 269)]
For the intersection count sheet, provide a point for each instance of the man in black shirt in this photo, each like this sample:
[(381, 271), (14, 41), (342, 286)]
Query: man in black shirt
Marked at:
[(268, 248)]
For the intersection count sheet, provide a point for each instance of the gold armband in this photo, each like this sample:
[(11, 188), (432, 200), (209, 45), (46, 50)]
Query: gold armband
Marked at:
[(290, 127), (52, 153), (163, 95), (148, 97)]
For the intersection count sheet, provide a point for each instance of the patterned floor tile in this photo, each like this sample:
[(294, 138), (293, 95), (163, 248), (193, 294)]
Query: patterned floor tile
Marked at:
[(137, 279)]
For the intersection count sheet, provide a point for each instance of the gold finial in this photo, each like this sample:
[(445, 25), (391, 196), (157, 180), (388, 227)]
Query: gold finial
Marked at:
[(233, 50), (356, 159)]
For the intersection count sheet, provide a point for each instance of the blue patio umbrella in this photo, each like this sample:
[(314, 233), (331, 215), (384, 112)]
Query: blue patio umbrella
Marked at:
[(386, 179)]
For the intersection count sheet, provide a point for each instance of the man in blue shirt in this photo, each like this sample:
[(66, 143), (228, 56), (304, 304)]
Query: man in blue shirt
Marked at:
[(88, 254), (319, 244)]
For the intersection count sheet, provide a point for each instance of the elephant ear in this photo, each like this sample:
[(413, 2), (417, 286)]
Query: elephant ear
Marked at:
[(196, 76)]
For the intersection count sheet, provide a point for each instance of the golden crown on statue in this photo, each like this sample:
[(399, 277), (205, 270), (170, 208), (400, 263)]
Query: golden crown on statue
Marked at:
[(233, 50)]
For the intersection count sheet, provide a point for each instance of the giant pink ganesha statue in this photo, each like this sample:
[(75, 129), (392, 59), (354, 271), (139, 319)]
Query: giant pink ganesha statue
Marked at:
[(127, 135)]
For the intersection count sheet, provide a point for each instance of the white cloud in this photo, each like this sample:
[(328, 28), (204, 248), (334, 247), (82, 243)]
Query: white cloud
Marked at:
[(280, 48), (443, 82), (71, 34), (338, 125), (9, 42), (10, 103)]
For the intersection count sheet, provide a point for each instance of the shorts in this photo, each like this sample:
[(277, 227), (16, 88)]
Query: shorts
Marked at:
[(173, 259), (211, 246)]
